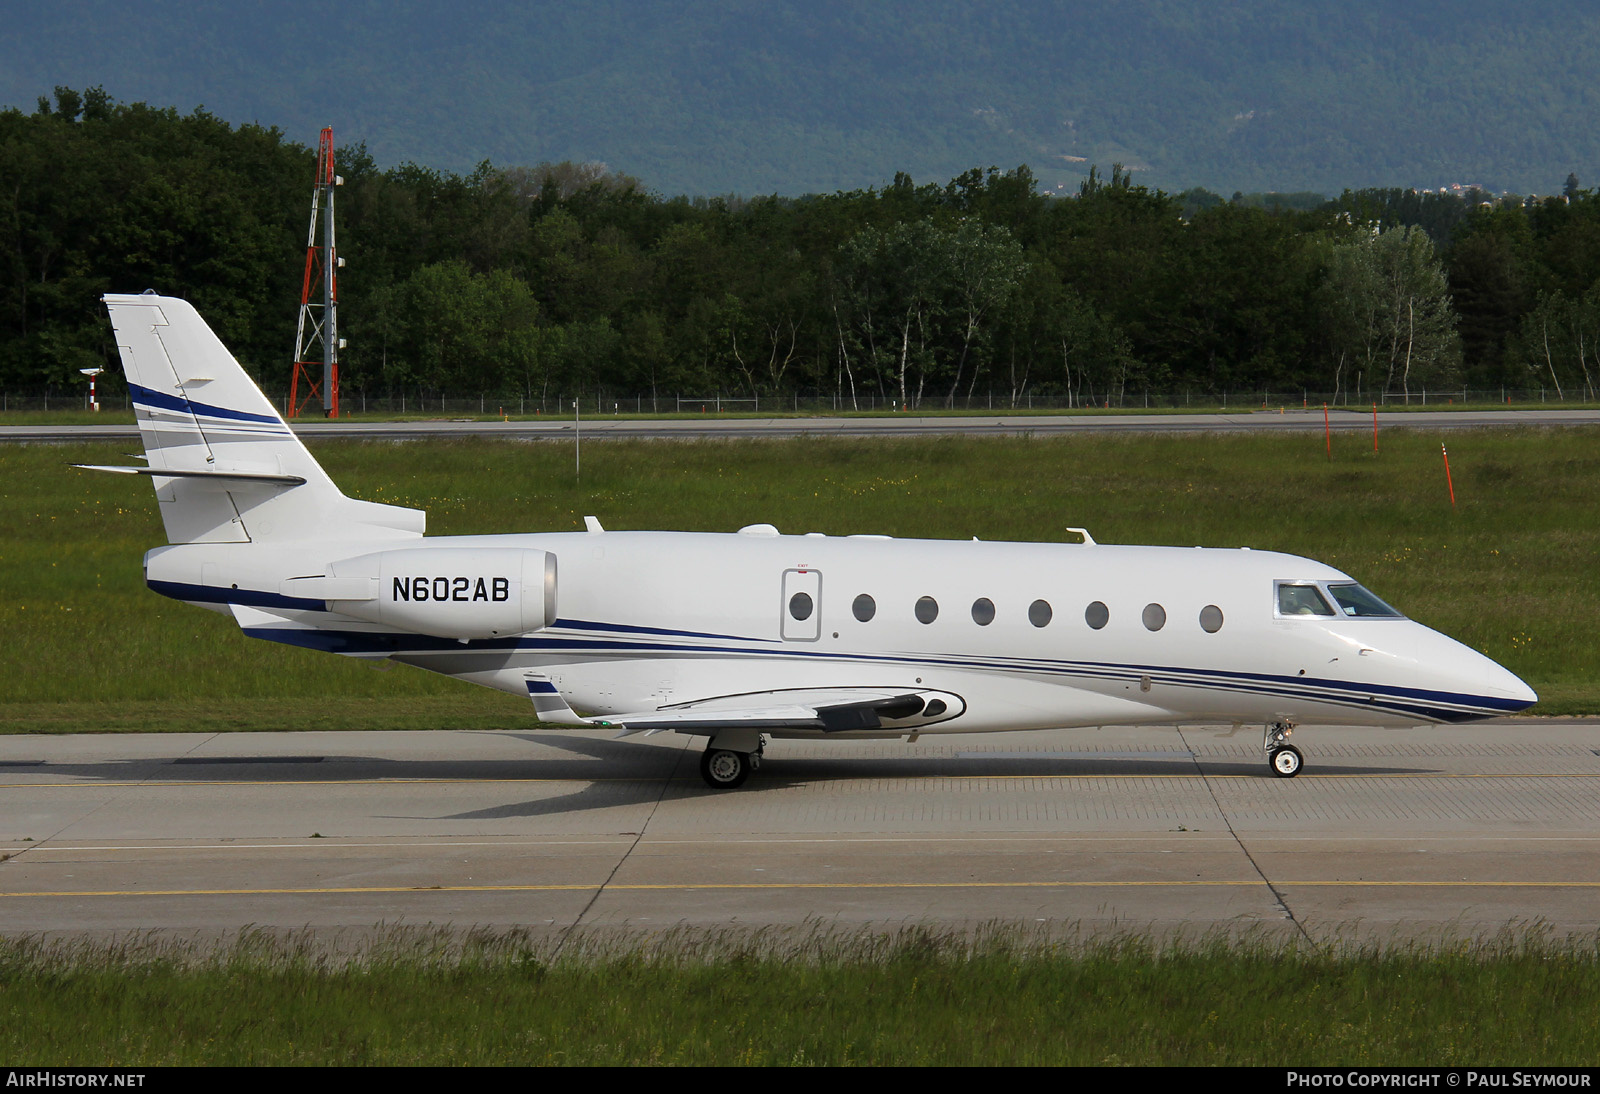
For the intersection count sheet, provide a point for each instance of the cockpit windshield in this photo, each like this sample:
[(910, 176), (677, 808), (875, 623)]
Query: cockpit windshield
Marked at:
[(1317, 598), (1355, 600), (1301, 600)]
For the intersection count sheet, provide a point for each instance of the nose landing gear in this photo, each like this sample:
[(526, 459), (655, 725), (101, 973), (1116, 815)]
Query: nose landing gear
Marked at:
[(1283, 758)]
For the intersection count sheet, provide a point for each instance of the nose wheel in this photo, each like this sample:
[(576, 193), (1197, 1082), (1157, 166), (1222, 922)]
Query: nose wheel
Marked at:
[(1285, 762), (1283, 758)]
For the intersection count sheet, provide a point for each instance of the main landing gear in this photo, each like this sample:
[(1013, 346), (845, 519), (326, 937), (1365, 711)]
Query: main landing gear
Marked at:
[(1283, 758), (727, 769)]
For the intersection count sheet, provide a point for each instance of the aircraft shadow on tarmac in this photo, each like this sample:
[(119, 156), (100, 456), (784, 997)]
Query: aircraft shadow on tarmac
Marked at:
[(780, 769), (613, 787), (622, 773)]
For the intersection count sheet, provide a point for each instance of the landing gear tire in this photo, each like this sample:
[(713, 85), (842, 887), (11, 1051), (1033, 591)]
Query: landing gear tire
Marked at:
[(1283, 759), (724, 769), (1285, 762)]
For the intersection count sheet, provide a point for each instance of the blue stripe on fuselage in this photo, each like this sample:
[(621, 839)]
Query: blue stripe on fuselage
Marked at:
[(628, 628), (255, 598), (1429, 705)]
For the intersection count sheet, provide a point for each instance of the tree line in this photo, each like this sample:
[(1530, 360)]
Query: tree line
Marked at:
[(565, 279)]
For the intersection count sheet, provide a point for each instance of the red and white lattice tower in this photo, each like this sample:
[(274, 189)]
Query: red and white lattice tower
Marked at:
[(319, 320)]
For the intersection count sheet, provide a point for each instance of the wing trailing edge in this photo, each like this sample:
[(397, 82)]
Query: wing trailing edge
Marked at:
[(829, 710)]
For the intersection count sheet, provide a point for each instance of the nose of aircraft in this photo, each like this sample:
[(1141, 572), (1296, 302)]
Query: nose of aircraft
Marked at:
[(1502, 683), (1476, 680)]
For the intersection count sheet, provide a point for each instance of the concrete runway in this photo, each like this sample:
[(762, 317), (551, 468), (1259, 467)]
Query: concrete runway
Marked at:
[(1428, 833), (901, 426)]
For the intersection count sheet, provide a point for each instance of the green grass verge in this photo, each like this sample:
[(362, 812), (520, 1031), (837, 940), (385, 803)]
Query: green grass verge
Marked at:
[(914, 998), (1510, 571)]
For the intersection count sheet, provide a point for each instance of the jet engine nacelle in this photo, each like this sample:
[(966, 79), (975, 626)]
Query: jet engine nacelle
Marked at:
[(449, 592)]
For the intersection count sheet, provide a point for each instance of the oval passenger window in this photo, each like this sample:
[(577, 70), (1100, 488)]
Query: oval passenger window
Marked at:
[(983, 611), (800, 605), (1211, 619), (1039, 613), (1096, 615), (864, 607), (927, 609), (1155, 617)]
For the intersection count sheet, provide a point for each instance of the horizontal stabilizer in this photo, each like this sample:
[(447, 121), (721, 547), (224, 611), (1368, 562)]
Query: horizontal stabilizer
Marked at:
[(218, 475)]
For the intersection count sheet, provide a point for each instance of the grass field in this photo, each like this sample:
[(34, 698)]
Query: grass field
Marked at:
[(911, 998), (1510, 571)]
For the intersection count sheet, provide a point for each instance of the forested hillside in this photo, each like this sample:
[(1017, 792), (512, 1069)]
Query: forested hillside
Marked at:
[(560, 279), (800, 96)]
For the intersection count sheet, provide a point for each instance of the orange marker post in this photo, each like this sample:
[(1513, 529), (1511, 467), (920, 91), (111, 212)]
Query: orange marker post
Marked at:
[(1447, 480)]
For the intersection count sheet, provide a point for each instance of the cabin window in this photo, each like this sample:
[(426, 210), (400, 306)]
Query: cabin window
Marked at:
[(927, 609), (1211, 619), (864, 607), (1155, 617), (800, 605), (1096, 615), (1039, 613), (983, 611), (1302, 599), (1353, 599)]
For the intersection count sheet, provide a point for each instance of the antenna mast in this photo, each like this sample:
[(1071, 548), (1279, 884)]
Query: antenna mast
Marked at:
[(319, 322)]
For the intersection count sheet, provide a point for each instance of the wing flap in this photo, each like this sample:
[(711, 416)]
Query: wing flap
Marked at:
[(830, 710)]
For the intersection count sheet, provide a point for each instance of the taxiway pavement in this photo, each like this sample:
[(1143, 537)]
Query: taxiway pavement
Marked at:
[(712, 427), (1428, 833)]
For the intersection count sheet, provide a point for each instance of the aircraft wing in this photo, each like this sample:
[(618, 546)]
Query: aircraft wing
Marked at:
[(830, 710)]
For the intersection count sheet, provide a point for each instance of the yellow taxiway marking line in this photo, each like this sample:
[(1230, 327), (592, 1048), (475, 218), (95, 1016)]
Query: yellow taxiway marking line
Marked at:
[(777, 886)]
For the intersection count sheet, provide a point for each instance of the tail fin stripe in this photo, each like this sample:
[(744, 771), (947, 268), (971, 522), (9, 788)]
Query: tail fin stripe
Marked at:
[(160, 400), (202, 430)]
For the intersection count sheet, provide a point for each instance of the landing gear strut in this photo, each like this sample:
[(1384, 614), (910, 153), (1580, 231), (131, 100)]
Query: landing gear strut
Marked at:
[(726, 768), (1283, 758)]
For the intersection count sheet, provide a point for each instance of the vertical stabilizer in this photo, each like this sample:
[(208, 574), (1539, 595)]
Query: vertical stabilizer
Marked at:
[(239, 474)]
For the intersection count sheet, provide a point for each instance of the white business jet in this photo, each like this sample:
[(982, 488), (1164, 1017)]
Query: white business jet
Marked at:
[(746, 636)]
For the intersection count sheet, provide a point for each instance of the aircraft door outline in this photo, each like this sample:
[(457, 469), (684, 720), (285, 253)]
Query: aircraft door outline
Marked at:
[(800, 612)]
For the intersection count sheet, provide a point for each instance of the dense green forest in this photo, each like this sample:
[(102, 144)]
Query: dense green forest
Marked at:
[(554, 280)]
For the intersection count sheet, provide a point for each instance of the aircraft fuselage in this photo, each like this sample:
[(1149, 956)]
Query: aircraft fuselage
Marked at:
[(645, 620)]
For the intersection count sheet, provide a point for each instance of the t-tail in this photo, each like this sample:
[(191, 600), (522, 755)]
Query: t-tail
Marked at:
[(225, 466)]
